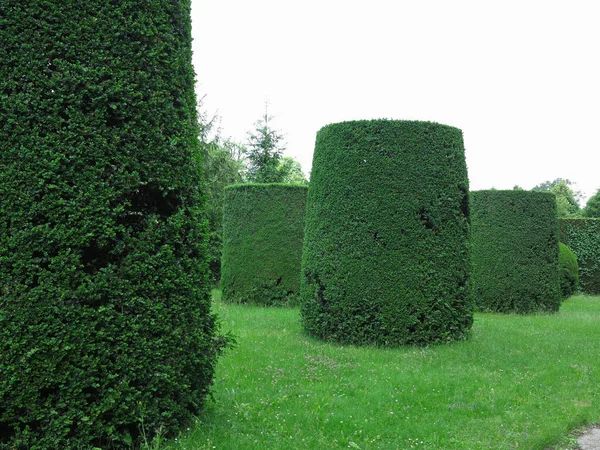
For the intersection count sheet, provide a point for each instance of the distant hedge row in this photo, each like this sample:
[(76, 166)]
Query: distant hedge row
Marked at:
[(582, 236), (385, 257), (515, 251), (263, 228), (569, 271)]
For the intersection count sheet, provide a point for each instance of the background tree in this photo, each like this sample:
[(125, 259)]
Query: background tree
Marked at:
[(567, 199), (265, 151), (291, 171), (592, 207), (223, 164)]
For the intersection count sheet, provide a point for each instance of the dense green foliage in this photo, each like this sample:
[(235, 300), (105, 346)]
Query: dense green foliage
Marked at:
[(567, 199), (583, 238), (226, 162), (592, 207), (385, 256), (265, 151), (263, 228), (568, 271), (222, 167), (291, 171), (105, 323), (514, 238)]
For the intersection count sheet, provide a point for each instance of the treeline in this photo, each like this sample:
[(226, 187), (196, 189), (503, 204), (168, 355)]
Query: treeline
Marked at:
[(568, 199)]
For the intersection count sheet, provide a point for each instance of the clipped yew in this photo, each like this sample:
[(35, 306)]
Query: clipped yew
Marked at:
[(385, 257), (106, 335), (515, 251), (568, 271), (263, 229), (582, 236)]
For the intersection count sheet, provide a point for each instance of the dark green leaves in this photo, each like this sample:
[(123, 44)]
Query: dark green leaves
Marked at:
[(582, 236), (515, 251), (104, 301), (568, 271), (263, 228), (385, 257)]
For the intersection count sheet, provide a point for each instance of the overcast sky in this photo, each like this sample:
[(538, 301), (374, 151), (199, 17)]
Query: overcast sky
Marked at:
[(520, 78)]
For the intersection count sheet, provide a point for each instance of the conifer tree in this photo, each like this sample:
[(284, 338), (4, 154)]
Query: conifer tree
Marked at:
[(265, 152)]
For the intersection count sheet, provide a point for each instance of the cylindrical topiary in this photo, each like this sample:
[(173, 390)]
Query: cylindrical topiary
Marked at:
[(582, 236), (385, 256), (105, 324), (263, 228), (568, 271), (514, 237)]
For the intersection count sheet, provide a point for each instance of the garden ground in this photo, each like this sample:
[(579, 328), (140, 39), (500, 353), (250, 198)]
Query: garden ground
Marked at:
[(518, 382), (590, 439)]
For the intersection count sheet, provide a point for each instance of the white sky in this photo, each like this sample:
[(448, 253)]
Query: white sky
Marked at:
[(520, 78)]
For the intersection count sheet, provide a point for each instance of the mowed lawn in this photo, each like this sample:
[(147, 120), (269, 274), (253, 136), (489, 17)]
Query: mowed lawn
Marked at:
[(520, 382)]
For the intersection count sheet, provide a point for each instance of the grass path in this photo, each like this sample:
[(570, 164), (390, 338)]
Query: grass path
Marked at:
[(520, 382)]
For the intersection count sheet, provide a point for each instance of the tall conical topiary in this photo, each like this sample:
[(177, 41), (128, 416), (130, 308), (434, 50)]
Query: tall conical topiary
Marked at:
[(105, 328), (263, 227), (385, 256), (514, 237)]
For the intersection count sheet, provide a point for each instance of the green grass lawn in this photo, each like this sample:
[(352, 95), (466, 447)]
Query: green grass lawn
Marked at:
[(520, 382)]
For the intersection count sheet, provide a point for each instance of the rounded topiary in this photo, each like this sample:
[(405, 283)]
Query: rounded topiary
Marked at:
[(582, 236), (105, 323), (568, 271), (385, 256), (514, 237), (263, 228)]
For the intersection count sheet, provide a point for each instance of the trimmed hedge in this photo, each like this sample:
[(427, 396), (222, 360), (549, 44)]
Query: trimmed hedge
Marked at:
[(515, 251), (105, 322), (385, 256), (568, 270), (263, 228), (582, 236)]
